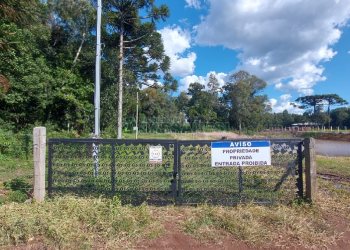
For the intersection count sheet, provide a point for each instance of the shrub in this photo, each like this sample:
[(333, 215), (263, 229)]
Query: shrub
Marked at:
[(17, 196), (17, 184)]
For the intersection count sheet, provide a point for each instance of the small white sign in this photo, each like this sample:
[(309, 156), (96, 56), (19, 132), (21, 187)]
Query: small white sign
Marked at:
[(240, 153), (155, 154)]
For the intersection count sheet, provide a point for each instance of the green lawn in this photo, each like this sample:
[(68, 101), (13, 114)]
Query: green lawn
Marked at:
[(333, 165)]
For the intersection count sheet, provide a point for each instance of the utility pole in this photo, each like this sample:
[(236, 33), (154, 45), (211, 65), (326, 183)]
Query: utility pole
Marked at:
[(98, 69), (97, 87), (120, 97), (137, 114)]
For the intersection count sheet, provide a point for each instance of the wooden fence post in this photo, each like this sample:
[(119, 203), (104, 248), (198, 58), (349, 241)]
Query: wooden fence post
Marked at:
[(310, 169), (39, 153)]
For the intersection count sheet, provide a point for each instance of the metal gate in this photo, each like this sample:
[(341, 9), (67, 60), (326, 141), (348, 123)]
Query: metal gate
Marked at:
[(122, 168), (198, 182)]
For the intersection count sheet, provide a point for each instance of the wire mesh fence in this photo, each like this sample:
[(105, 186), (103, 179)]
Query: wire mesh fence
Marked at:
[(184, 174)]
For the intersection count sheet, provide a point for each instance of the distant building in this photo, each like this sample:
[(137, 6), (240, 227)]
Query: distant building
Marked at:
[(306, 124)]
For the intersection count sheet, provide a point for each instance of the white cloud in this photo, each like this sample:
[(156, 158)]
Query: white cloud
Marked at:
[(193, 3), (177, 42), (282, 41), (186, 81), (284, 103)]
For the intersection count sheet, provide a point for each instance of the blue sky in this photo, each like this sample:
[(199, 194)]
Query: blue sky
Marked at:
[(299, 47)]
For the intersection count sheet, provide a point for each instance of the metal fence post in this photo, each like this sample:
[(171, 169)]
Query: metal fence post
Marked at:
[(310, 169), (175, 171), (49, 169), (179, 183), (113, 169), (39, 153)]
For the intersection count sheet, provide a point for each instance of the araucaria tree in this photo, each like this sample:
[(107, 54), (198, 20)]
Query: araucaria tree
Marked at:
[(140, 56), (317, 102), (242, 96)]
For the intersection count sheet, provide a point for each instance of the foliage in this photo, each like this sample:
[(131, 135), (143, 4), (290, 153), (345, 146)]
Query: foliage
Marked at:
[(47, 56), (19, 189), (16, 196), (316, 102), (246, 106), (201, 105), (17, 184), (140, 58), (340, 117), (39, 89)]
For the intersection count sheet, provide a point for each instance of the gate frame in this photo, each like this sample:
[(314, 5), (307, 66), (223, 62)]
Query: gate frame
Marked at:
[(308, 154)]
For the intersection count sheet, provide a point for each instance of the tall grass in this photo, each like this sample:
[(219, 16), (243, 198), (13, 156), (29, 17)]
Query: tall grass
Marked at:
[(262, 225), (74, 223)]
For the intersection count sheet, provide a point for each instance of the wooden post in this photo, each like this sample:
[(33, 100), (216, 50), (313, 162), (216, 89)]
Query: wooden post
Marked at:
[(39, 153), (310, 169)]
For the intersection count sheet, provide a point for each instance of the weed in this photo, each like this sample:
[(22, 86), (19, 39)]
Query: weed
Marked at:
[(260, 224), (16, 196), (70, 222), (17, 184)]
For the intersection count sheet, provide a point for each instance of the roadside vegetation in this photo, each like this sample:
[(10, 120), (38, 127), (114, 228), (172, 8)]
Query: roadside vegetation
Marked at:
[(47, 55), (72, 222)]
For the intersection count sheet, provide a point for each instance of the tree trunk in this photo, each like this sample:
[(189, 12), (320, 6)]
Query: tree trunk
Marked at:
[(240, 126), (120, 99), (329, 109), (79, 49)]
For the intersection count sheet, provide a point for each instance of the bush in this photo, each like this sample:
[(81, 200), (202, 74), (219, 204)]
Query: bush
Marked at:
[(17, 184), (17, 196), (15, 145)]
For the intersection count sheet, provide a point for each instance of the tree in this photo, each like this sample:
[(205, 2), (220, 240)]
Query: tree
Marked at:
[(246, 106), (317, 102), (72, 19), (23, 13), (182, 102), (157, 109), (201, 105), (140, 45), (27, 75), (333, 99), (311, 101), (213, 84), (38, 83), (340, 117)]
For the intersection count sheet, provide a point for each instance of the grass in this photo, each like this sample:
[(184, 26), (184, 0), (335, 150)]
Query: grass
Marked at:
[(310, 226), (11, 168), (70, 222), (257, 225), (339, 166)]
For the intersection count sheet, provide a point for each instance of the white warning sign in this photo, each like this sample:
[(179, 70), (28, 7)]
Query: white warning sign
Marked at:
[(240, 153), (155, 154)]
